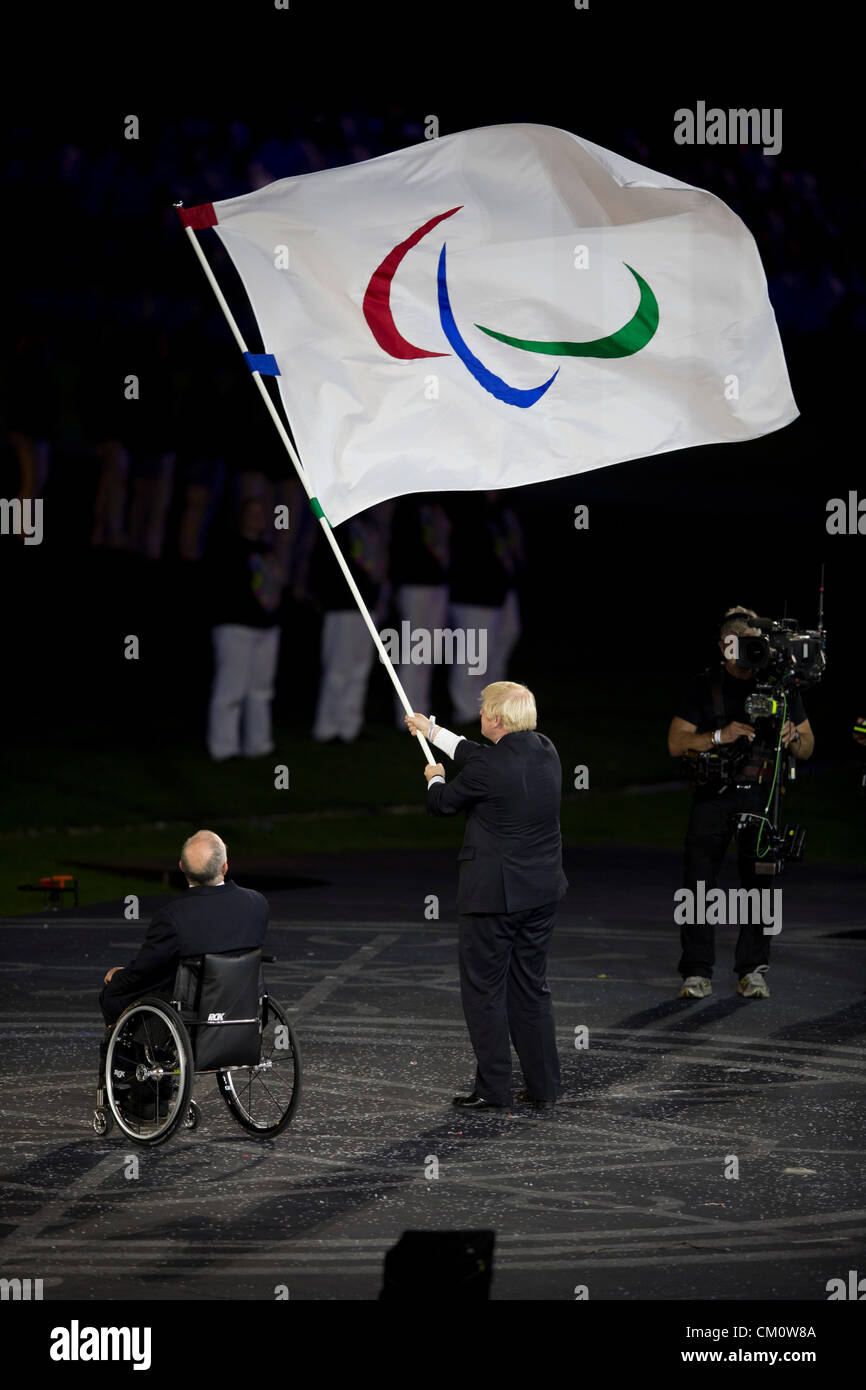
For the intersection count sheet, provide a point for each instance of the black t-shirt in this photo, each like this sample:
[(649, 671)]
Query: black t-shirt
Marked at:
[(246, 583), (364, 543), (696, 706), (420, 542), (480, 564)]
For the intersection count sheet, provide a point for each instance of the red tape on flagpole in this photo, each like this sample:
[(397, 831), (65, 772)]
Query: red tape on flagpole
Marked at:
[(198, 217)]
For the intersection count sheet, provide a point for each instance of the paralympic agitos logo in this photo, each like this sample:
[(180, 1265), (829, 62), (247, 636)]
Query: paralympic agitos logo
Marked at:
[(629, 339)]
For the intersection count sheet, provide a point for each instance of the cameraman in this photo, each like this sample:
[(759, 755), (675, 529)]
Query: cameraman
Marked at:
[(711, 717)]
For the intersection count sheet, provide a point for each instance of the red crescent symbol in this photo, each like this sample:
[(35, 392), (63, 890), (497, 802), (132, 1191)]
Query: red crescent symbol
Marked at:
[(377, 299)]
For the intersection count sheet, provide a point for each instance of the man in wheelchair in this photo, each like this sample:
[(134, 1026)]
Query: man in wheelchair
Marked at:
[(214, 915), (198, 969)]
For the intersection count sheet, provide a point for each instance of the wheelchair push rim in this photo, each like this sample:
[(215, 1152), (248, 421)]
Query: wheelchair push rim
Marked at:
[(263, 1098), (148, 1071)]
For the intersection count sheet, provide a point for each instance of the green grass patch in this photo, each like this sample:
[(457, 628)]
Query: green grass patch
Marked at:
[(76, 804)]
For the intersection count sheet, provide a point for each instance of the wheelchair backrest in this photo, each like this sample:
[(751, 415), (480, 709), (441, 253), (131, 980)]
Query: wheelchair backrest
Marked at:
[(221, 1005)]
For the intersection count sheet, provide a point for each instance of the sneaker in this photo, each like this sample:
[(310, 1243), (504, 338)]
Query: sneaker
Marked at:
[(753, 985), (695, 987)]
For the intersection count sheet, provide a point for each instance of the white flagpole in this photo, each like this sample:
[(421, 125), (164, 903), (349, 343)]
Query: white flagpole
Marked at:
[(314, 502)]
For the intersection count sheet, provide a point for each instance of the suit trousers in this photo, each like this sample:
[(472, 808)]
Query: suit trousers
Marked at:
[(113, 1000), (503, 986)]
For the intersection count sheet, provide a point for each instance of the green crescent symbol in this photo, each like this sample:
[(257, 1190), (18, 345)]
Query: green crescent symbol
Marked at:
[(629, 339)]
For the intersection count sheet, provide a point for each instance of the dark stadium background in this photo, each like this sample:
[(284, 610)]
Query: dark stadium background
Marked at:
[(615, 618)]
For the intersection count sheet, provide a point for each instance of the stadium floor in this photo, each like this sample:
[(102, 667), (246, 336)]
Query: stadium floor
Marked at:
[(622, 1189)]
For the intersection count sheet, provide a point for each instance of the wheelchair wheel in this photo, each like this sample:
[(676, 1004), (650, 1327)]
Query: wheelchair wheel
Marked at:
[(263, 1098), (148, 1071)]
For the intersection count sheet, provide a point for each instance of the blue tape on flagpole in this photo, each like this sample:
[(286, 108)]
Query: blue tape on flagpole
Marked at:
[(262, 362)]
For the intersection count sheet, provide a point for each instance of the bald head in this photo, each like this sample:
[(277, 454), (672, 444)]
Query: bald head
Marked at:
[(203, 858)]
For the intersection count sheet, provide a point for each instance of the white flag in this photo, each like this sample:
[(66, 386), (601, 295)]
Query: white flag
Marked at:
[(499, 307)]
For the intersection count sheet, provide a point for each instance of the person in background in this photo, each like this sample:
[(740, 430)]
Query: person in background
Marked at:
[(248, 592), (480, 583), (712, 715), (420, 557), (347, 648)]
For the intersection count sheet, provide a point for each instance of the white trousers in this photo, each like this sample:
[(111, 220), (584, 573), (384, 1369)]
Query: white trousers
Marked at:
[(347, 659), (422, 606), (464, 687), (239, 718)]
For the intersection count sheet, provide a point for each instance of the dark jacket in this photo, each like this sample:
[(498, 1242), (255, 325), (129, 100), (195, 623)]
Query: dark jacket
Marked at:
[(511, 858), (219, 918)]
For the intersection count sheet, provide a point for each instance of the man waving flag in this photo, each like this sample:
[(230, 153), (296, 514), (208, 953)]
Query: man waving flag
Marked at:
[(499, 307)]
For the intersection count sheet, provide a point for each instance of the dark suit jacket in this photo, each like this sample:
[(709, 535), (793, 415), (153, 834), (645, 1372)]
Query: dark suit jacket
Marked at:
[(219, 918), (511, 858)]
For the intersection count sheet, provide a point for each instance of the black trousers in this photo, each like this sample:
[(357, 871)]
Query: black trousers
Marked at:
[(113, 1000), (503, 986), (711, 827)]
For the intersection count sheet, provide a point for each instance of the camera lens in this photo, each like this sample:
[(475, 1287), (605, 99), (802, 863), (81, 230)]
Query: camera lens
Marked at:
[(754, 652)]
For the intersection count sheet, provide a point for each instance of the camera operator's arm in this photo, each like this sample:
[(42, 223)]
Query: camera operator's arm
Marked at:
[(683, 737), (798, 739)]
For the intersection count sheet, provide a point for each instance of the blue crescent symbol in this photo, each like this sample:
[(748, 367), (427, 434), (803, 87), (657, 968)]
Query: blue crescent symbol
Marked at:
[(512, 395)]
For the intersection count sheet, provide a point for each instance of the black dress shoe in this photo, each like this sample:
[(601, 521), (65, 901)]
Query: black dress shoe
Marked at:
[(539, 1104), (475, 1102)]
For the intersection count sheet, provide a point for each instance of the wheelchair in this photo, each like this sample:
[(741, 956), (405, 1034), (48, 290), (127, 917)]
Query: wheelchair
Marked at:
[(219, 1019)]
